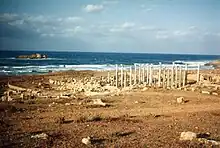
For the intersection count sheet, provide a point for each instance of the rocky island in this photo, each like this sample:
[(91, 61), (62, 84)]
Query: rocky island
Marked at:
[(32, 56)]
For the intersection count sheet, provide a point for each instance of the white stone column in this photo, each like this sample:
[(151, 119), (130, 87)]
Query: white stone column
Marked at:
[(198, 74), (180, 76), (151, 75), (185, 75), (122, 75), (147, 73), (125, 77), (135, 74), (139, 76), (116, 75), (172, 75), (159, 75), (130, 76), (143, 73)]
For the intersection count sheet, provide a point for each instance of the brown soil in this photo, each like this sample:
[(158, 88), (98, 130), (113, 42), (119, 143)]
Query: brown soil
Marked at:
[(150, 118)]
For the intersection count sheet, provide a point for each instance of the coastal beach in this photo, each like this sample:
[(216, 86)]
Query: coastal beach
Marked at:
[(80, 104), (109, 74)]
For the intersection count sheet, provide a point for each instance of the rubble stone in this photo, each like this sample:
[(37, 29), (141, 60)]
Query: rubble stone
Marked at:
[(40, 136), (214, 93), (206, 92), (188, 136), (180, 100), (98, 102), (86, 141), (51, 81)]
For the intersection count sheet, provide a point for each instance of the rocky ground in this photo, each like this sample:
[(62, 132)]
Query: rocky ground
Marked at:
[(80, 109), (215, 64)]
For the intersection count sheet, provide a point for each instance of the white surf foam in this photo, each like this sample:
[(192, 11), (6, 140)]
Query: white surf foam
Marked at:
[(95, 67), (192, 63)]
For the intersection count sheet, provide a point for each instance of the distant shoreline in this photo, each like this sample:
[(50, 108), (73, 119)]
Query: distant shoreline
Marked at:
[(64, 61), (108, 52)]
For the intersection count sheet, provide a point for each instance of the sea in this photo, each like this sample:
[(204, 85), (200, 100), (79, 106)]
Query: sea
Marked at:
[(62, 61)]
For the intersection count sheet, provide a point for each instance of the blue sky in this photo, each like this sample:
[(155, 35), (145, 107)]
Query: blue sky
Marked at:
[(150, 26)]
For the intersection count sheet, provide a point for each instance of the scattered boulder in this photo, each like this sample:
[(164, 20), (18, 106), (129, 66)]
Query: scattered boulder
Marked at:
[(67, 104), (16, 88), (98, 102), (22, 96), (93, 118), (86, 141), (188, 136), (207, 141), (205, 92), (10, 98), (40, 136), (144, 89), (193, 89), (64, 97), (214, 93), (7, 96), (52, 104), (51, 81), (202, 138), (35, 92), (3, 98), (180, 100)]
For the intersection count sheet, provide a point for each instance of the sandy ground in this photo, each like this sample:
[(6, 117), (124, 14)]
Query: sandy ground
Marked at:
[(149, 118)]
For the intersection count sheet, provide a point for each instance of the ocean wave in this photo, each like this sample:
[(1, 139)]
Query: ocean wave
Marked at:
[(99, 67), (58, 66), (32, 66), (47, 68), (192, 63), (86, 66), (4, 67), (5, 71)]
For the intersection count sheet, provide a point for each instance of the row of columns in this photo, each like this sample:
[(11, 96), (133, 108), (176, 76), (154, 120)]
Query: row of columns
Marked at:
[(174, 76)]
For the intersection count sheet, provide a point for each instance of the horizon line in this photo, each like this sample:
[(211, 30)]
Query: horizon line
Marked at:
[(51, 50)]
